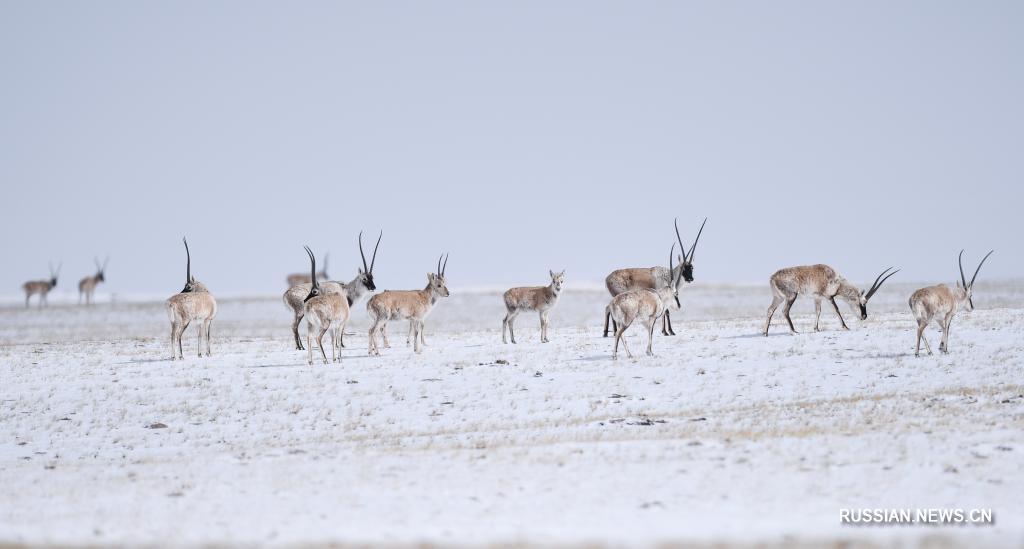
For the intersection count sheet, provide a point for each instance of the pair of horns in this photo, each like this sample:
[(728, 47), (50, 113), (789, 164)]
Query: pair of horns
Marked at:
[(688, 257), (879, 281), (963, 279), (374, 258), (440, 269), (102, 267), (53, 273)]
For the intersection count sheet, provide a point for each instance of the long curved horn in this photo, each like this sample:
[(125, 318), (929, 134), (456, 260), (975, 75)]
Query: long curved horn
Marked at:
[(361, 254), (693, 248), (671, 268), (960, 260), (96, 261), (979, 267), (682, 247), (312, 262), (879, 281), (188, 262), (374, 258), (445, 267)]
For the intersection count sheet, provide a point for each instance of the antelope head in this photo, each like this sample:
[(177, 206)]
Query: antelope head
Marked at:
[(686, 259), (968, 288), (54, 274), (191, 284), (436, 280), (366, 273), (557, 280), (861, 299), (100, 268), (314, 290)]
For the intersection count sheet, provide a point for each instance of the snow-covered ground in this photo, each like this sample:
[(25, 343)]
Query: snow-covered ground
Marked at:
[(724, 437)]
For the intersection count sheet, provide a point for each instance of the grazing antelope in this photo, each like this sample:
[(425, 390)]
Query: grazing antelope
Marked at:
[(644, 304), (295, 279), (539, 298), (87, 285), (41, 287), (940, 303), (353, 290), (195, 302), (819, 282), (414, 305), (323, 312), (652, 278)]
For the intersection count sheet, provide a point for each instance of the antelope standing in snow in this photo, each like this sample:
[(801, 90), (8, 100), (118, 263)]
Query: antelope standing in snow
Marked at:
[(652, 278), (646, 305), (539, 298), (195, 302), (41, 287), (940, 303), (414, 305), (353, 290), (87, 285), (819, 282), (323, 312), (295, 279)]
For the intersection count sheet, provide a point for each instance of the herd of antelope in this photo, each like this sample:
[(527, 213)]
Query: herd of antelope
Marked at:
[(644, 294)]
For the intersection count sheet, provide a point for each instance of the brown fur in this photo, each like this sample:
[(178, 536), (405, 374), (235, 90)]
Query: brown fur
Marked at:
[(939, 303), (413, 305), (41, 287), (645, 305), (183, 308), (328, 311), (538, 298), (820, 282)]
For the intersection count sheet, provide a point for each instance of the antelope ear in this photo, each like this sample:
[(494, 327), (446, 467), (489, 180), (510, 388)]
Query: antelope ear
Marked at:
[(360, 269), (552, 273), (430, 277), (562, 273)]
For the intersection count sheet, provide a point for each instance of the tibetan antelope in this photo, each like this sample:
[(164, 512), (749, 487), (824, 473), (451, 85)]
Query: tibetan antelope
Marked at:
[(87, 285), (539, 298), (323, 312), (295, 279), (41, 287), (414, 305), (195, 302), (940, 303), (646, 305), (819, 282), (353, 290), (652, 278)]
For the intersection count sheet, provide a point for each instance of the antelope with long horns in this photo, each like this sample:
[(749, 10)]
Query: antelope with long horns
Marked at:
[(820, 282), (295, 279), (194, 302), (540, 298), (41, 287), (352, 290), (87, 285), (653, 278), (940, 303), (647, 305), (413, 305), (323, 312)]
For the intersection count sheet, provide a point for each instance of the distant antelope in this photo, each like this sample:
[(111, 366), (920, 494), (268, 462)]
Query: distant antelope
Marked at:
[(414, 305), (540, 298), (646, 305), (41, 287), (195, 302), (87, 285), (819, 282), (323, 312), (353, 290), (652, 278), (940, 303), (295, 279)]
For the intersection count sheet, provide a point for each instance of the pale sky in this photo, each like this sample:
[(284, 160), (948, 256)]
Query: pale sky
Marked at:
[(518, 136)]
